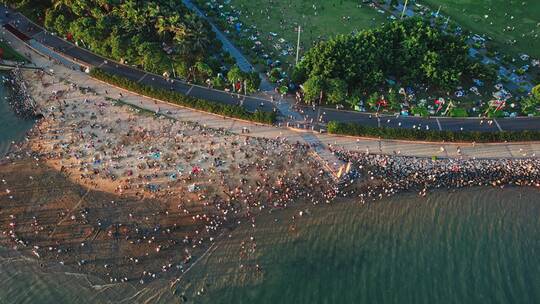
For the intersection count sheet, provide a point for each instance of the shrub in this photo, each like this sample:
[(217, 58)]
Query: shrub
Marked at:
[(355, 129), (275, 75), (233, 111), (422, 111), (458, 112)]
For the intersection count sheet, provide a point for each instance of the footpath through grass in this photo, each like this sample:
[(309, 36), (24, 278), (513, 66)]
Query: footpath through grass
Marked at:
[(502, 20)]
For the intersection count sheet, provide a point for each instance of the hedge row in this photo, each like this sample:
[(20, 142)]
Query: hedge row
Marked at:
[(355, 129), (233, 111)]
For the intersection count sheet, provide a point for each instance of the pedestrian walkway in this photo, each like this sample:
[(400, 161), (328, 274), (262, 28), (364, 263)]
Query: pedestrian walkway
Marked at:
[(53, 55), (228, 46), (242, 62), (330, 160)]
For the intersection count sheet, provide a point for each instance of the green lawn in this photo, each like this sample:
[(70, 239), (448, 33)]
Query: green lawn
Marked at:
[(343, 16), (524, 26), (10, 53), (330, 17)]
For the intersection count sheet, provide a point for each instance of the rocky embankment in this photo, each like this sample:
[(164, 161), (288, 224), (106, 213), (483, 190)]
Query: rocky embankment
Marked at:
[(19, 99)]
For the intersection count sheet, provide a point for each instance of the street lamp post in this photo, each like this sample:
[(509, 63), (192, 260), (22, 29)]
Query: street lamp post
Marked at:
[(404, 9), (298, 44)]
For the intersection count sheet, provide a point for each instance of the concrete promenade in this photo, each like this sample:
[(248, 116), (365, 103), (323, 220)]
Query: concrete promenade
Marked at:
[(417, 149)]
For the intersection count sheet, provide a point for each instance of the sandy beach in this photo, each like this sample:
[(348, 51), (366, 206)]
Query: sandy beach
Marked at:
[(130, 195)]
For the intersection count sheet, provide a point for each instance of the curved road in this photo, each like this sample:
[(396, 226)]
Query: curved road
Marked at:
[(73, 55)]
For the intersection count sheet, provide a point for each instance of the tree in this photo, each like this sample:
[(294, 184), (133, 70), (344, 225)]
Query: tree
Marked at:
[(372, 100), (314, 89), (155, 34), (202, 71), (299, 75), (152, 57), (409, 50), (253, 82), (483, 71), (353, 100), (198, 38), (235, 74), (181, 68), (530, 103), (393, 99), (116, 43), (337, 91), (218, 82), (535, 92)]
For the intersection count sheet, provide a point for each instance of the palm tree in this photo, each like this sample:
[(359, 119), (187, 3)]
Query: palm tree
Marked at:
[(198, 36), (59, 3)]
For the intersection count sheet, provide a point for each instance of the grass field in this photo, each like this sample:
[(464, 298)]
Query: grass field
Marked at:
[(318, 18), (507, 20)]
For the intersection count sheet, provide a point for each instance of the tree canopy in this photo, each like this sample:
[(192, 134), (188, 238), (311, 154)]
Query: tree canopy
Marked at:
[(155, 34), (411, 51), (531, 103)]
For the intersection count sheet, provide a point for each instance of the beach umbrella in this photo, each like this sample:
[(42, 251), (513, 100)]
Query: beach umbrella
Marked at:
[(440, 103)]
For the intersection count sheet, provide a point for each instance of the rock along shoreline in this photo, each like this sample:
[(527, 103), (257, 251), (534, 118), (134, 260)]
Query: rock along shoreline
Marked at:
[(18, 97)]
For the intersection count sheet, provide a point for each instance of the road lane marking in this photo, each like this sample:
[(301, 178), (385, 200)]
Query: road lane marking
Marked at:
[(438, 123), (141, 79), (497, 123), (189, 91)]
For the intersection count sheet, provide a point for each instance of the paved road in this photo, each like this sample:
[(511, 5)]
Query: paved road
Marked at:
[(434, 123), (75, 55), (41, 40), (418, 149)]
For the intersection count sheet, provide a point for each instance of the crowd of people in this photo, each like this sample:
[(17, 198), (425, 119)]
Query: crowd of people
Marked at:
[(386, 175), (205, 181)]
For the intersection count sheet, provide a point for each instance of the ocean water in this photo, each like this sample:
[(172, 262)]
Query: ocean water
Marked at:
[(478, 245), (12, 128)]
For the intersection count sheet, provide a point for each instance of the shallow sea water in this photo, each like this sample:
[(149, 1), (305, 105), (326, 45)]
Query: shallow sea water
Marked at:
[(12, 128), (478, 245)]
